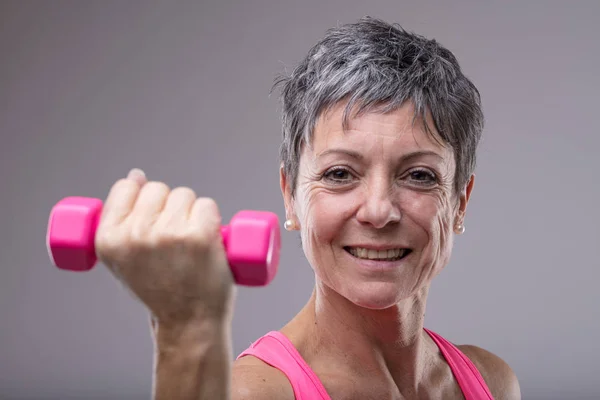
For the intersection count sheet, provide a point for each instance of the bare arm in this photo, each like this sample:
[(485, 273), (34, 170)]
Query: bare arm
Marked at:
[(252, 379), (498, 375), (166, 247), (192, 362)]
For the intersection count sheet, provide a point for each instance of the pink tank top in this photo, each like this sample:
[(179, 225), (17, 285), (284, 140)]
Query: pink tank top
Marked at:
[(275, 349)]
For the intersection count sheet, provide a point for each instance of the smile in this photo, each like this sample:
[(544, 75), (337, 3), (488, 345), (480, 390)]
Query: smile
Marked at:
[(380, 255)]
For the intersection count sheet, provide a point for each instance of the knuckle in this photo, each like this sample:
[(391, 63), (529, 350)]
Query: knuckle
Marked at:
[(181, 242), (108, 243), (202, 238), (209, 214), (141, 237), (156, 187), (123, 183), (120, 187), (172, 237), (183, 238), (207, 206), (138, 235), (184, 192)]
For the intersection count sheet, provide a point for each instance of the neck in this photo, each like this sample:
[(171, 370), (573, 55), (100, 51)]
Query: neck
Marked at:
[(389, 342)]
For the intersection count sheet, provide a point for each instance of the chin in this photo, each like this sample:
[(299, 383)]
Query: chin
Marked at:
[(376, 295)]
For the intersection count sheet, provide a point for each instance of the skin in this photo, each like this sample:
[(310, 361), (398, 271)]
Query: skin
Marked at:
[(383, 183), (362, 329), (164, 245)]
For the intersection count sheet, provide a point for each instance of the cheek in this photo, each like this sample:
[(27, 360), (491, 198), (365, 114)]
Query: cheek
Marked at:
[(323, 215), (322, 218), (316, 218), (434, 215), (444, 237)]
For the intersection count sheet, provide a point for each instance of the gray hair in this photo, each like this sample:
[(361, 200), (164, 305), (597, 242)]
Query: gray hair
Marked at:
[(376, 65)]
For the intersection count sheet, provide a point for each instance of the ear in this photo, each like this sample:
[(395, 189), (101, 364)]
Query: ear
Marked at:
[(464, 197), (288, 200)]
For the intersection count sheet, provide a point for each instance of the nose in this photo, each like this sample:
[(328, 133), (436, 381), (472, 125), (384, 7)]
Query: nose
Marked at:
[(379, 207)]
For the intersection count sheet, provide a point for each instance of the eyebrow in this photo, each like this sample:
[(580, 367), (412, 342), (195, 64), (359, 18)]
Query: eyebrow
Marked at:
[(359, 157)]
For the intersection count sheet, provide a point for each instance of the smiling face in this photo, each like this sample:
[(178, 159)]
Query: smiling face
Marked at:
[(375, 206)]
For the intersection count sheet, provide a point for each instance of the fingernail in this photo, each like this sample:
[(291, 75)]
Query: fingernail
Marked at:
[(137, 175), (135, 172)]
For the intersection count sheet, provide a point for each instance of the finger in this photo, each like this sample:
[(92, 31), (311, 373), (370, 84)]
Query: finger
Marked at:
[(205, 224), (205, 217), (138, 176), (150, 201), (119, 202), (178, 206)]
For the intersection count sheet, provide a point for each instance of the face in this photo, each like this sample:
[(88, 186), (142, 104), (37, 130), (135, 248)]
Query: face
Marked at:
[(375, 206)]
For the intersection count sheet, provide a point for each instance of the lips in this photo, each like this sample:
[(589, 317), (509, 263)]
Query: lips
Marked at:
[(392, 254)]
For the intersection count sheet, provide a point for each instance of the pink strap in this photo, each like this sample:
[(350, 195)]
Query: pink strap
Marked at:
[(275, 349), (304, 381), (468, 377)]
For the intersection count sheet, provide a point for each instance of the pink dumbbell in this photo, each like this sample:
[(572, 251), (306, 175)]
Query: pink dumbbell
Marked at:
[(252, 240)]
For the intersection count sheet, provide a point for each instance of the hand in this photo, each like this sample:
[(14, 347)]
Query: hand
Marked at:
[(166, 247)]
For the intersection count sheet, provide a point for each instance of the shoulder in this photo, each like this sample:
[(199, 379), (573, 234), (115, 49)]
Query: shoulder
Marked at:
[(253, 379), (497, 374)]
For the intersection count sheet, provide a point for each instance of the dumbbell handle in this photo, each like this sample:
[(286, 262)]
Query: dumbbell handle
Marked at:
[(252, 240)]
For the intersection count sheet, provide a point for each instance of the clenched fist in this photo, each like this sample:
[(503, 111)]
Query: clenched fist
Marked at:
[(166, 247)]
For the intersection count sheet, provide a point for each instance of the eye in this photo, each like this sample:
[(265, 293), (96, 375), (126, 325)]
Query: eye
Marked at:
[(338, 175), (422, 177)]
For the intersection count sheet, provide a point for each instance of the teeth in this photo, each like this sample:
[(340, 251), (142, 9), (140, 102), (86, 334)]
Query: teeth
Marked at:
[(377, 254)]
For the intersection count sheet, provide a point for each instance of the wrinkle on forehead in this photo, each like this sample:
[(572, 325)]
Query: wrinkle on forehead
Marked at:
[(377, 137)]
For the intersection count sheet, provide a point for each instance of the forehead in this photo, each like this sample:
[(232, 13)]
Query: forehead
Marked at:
[(398, 128)]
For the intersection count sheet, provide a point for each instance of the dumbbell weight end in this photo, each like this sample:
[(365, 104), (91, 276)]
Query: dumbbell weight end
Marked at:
[(252, 240)]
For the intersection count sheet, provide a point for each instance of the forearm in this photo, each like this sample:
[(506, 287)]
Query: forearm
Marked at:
[(192, 362)]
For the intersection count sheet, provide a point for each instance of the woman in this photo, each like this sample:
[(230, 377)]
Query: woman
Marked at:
[(380, 133)]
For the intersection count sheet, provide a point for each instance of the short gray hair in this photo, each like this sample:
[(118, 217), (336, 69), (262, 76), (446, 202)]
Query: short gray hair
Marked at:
[(377, 65)]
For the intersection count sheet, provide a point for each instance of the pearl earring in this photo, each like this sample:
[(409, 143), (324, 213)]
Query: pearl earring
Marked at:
[(288, 224), (460, 229)]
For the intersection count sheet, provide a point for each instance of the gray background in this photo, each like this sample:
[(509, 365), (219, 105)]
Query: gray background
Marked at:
[(90, 89)]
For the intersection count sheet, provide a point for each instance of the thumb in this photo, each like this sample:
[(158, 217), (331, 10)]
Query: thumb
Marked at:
[(138, 176)]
